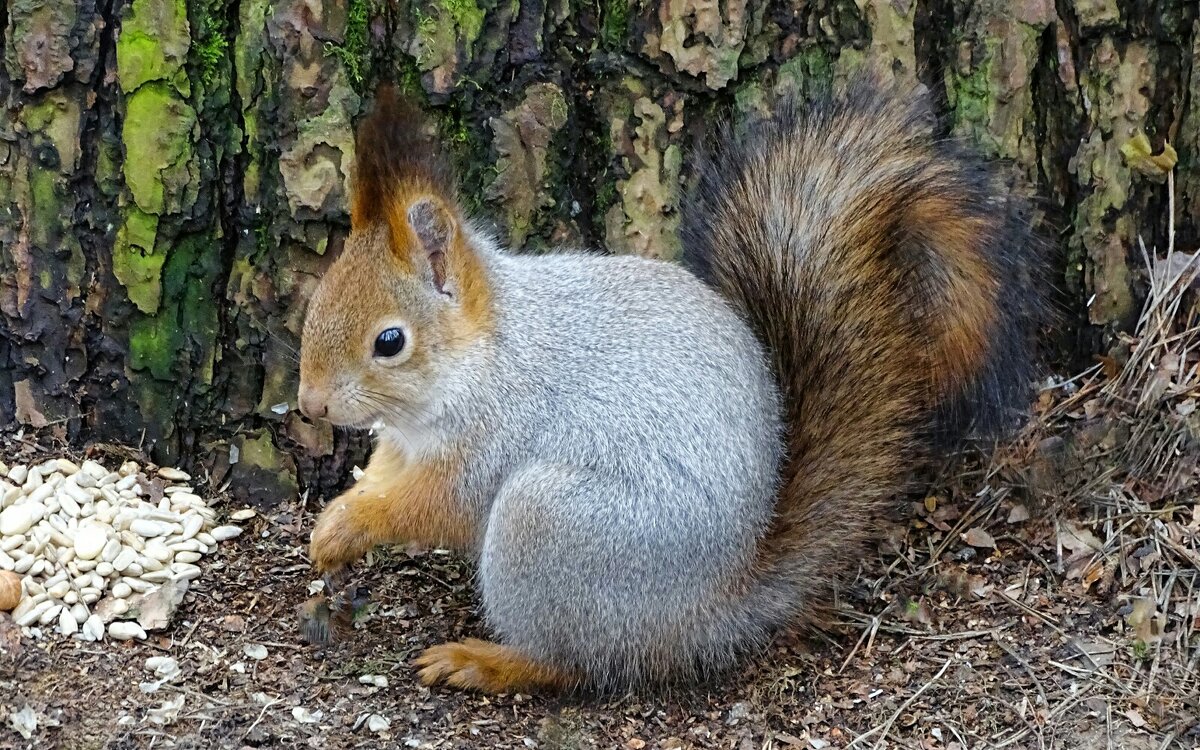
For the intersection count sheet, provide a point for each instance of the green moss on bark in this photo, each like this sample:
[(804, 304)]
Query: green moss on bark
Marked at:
[(135, 263), (354, 52), (153, 44), (157, 134)]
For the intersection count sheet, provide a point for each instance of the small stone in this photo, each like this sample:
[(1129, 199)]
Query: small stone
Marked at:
[(124, 630), (377, 723), (255, 651), (89, 542), (222, 533), (304, 716)]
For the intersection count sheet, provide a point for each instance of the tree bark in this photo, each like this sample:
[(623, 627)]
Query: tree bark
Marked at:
[(173, 175)]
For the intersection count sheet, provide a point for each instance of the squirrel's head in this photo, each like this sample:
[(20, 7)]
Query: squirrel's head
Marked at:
[(408, 292)]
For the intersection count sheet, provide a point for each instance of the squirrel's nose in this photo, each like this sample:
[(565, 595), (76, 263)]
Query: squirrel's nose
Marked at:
[(313, 404)]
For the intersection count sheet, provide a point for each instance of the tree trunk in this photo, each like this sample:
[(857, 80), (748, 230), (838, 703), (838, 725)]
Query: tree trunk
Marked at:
[(173, 176)]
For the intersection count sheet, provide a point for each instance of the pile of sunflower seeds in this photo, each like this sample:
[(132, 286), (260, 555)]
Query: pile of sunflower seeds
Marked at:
[(89, 542)]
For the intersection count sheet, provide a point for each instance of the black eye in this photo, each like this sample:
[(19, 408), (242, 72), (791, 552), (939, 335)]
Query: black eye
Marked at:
[(389, 343)]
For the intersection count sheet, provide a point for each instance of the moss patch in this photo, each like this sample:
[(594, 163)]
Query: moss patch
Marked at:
[(467, 16), (157, 133), (189, 319), (153, 44), (211, 46), (354, 52), (135, 263), (614, 24)]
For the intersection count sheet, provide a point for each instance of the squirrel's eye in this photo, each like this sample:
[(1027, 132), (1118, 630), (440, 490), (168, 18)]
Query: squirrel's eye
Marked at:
[(389, 343)]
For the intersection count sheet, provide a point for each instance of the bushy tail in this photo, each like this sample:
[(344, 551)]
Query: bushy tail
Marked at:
[(890, 279)]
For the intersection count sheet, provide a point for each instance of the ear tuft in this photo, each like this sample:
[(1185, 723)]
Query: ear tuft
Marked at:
[(434, 227), (396, 151)]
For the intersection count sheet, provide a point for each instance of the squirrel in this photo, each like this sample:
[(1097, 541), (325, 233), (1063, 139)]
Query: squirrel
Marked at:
[(657, 466)]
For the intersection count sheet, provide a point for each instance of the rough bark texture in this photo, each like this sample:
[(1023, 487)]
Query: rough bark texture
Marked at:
[(173, 175)]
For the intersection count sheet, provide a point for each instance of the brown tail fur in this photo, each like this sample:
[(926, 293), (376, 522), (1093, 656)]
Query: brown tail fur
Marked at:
[(888, 275)]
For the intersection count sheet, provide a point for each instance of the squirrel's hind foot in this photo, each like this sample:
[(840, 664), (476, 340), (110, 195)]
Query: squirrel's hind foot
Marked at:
[(490, 668)]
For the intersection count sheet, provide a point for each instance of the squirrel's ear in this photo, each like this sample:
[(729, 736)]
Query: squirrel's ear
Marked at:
[(433, 225)]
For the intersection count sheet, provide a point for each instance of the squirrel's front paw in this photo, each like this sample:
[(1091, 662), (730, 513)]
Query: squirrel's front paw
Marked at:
[(340, 537)]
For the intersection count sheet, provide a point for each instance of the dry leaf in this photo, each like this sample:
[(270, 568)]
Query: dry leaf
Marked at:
[(25, 722), (1018, 514), (304, 716), (1135, 718), (155, 608), (1145, 620), (168, 712), (1078, 539), (1140, 155), (977, 537)]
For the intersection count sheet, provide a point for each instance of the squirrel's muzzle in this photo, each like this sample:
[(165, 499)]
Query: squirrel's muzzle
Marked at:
[(314, 404)]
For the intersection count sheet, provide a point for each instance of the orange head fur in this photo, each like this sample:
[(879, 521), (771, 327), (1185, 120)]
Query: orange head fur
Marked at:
[(408, 291)]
